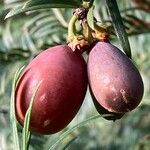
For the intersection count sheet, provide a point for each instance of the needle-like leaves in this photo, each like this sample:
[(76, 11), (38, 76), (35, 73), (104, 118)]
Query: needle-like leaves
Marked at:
[(32, 5), (26, 133), (12, 111), (118, 25), (65, 134)]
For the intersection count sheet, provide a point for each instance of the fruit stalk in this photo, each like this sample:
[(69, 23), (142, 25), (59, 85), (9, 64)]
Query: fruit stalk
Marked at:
[(72, 28), (75, 41)]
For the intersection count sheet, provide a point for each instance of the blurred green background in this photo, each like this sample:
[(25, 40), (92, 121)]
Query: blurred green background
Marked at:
[(23, 36)]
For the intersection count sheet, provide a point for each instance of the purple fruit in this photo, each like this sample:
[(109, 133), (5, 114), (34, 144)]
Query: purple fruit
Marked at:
[(64, 83), (114, 80)]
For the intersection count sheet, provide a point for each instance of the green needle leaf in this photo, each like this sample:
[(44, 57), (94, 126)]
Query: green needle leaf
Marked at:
[(65, 134), (32, 5), (26, 132), (54, 3), (12, 111), (118, 25), (69, 143)]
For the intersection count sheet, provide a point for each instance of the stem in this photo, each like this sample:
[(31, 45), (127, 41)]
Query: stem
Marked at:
[(72, 28), (87, 32)]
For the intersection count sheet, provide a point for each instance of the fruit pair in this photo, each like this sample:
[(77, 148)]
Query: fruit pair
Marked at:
[(115, 85)]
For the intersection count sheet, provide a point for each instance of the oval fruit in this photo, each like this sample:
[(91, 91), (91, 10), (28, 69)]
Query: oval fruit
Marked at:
[(64, 83), (115, 81)]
